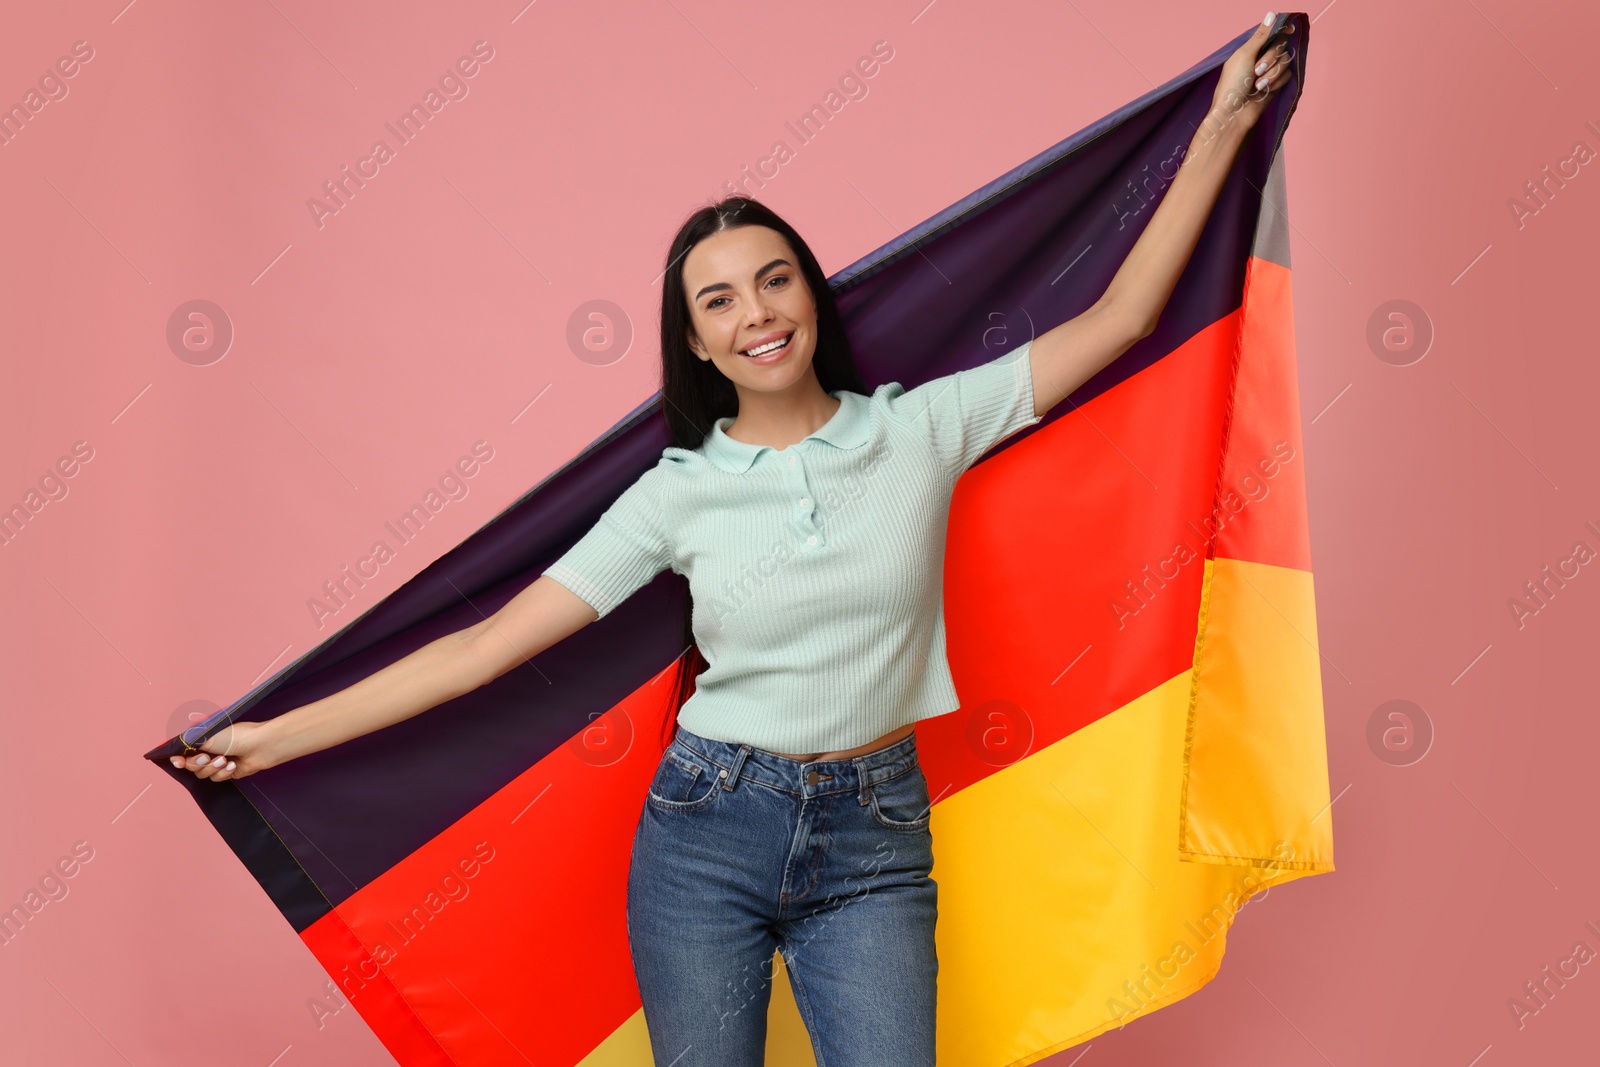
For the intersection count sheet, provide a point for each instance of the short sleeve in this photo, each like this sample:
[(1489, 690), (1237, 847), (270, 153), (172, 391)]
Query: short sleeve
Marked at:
[(627, 546), (966, 413)]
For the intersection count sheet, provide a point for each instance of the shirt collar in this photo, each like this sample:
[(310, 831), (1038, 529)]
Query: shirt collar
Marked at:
[(848, 428)]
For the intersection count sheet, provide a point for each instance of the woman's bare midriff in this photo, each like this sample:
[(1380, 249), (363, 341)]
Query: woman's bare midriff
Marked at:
[(898, 734)]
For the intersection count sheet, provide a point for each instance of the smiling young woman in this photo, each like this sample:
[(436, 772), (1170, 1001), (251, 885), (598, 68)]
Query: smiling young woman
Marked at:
[(788, 811), (760, 331)]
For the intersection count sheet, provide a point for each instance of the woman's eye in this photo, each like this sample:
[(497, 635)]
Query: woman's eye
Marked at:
[(715, 302)]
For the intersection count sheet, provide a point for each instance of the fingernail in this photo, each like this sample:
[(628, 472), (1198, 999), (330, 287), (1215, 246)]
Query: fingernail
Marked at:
[(1268, 20), (1261, 83), (230, 765), (203, 759), (1261, 67)]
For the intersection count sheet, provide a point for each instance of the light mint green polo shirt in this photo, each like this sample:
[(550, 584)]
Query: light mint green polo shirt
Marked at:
[(817, 570)]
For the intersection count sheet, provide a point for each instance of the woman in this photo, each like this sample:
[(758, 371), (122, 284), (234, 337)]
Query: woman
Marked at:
[(788, 813)]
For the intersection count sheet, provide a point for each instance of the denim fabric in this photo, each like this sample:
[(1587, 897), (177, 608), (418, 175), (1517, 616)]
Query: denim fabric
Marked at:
[(740, 852)]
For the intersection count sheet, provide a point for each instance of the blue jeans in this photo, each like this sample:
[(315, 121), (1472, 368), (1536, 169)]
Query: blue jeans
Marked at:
[(741, 852)]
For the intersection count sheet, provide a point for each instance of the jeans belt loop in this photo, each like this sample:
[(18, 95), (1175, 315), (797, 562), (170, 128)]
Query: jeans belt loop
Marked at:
[(738, 762), (864, 794)]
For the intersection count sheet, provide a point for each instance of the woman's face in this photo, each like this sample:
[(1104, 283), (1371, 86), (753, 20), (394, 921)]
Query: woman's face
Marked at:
[(745, 291)]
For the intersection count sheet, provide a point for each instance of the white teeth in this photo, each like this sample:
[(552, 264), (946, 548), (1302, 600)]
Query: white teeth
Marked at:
[(764, 349)]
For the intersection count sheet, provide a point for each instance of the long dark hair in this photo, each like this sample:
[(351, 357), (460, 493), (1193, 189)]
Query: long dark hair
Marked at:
[(695, 393)]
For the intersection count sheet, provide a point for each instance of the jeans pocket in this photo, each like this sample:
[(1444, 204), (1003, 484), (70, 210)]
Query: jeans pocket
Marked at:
[(682, 784), (901, 802)]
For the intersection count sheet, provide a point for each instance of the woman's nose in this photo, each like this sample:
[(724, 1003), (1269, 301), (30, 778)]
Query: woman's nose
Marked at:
[(759, 313)]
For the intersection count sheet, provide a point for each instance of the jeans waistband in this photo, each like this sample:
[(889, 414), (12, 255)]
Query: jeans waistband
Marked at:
[(808, 779)]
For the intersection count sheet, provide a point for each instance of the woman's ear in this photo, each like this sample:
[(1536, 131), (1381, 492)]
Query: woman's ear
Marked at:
[(694, 344)]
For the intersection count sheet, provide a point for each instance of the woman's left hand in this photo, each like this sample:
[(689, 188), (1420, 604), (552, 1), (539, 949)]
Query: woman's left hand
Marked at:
[(1247, 82)]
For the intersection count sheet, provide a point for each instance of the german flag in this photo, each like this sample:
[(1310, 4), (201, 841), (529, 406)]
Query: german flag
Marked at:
[(1130, 626)]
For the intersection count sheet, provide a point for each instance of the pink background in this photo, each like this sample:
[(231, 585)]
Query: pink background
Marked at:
[(432, 312)]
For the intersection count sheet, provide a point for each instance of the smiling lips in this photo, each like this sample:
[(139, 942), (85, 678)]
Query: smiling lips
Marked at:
[(768, 351)]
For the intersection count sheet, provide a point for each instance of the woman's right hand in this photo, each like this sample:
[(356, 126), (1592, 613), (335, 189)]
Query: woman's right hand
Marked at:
[(237, 750)]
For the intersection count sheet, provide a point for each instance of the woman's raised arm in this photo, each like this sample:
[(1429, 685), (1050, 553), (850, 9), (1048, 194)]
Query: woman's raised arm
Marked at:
[(446, 668), (1070, 354)]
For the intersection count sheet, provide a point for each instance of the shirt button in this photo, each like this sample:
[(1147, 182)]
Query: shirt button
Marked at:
[(811, 540), (791, 461), (805, 502)]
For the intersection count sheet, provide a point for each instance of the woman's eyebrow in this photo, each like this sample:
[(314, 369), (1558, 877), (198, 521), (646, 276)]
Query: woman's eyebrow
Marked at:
[(715, 286)]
